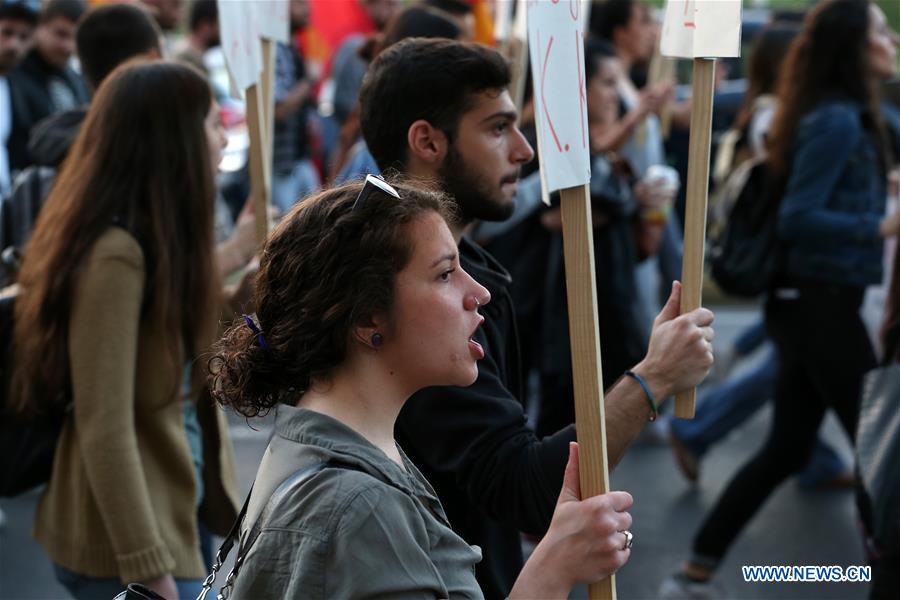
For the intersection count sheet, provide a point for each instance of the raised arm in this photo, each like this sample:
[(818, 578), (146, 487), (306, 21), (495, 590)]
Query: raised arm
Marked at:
[(478, 436)]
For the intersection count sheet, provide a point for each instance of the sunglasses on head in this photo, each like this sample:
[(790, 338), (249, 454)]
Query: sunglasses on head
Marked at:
[(373, 183)]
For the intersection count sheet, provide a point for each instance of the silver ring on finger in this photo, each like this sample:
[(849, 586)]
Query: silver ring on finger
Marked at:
[(629, 540)]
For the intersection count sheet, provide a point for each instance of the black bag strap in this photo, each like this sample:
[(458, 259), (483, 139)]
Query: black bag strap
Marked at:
[(287, 487)]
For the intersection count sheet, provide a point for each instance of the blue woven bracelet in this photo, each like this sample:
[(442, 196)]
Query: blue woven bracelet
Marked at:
[(654, 411)]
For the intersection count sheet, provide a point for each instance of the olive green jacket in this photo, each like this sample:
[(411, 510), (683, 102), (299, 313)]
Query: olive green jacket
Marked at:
[(375, 532)]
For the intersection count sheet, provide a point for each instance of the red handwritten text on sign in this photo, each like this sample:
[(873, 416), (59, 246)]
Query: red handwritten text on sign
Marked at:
[(557, 51), (690, 10), (701, 28)]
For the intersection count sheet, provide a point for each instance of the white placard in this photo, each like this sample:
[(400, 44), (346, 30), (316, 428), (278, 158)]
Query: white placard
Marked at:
[(702, 29), (556, 49), (520, 24), (274, 21), (503, 17), (239, 32)]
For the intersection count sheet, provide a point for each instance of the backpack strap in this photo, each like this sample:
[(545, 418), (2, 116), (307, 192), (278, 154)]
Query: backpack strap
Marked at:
[(286, 488)]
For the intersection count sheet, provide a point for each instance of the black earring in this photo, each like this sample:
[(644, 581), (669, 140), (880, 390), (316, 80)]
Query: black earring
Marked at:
[(377, 340)]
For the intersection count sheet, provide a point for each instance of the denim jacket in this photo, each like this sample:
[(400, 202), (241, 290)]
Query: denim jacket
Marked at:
[(834, 200)]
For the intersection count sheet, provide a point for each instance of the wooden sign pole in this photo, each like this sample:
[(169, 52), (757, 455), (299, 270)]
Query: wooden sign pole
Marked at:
[(665, 114), (662, 69), (584, 342), (695, 213), (260, 172), (518, 55), (578, 245), (556, 50), (268, 81), (260, 123)]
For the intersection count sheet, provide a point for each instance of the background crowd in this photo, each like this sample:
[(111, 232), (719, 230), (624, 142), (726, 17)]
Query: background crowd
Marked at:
[(126, 190)]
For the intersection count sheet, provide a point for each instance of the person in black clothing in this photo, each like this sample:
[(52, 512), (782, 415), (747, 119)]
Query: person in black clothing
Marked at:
[(44, 83), (17, 21), (439, 109)]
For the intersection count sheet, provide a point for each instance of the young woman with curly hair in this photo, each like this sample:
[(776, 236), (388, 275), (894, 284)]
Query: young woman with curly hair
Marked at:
[(361, 302)]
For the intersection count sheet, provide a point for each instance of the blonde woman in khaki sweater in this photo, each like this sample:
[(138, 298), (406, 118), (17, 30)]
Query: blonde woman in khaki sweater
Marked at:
[(120, 293)]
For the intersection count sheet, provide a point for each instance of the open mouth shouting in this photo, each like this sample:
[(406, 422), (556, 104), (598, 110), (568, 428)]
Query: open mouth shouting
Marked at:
[(474, 347)]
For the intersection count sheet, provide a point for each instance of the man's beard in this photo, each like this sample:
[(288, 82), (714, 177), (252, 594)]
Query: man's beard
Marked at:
[(476, 198)]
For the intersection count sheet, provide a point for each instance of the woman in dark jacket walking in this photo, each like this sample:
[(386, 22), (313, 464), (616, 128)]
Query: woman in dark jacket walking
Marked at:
[(828, 155)]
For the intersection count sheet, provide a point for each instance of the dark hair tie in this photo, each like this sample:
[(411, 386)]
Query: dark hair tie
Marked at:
[(256, 332)]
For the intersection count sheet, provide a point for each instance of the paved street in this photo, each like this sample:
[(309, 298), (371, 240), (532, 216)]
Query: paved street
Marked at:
[(795, 527)]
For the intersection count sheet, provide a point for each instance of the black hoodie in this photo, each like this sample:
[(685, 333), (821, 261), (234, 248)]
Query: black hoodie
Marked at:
[(31, 102)]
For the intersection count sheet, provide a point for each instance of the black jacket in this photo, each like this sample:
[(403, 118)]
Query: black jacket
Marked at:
[(49, 144), (492, 474), (31, 102)]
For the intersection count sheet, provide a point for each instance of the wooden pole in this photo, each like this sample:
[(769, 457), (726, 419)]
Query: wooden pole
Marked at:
[(578, 244), (268, 89), (697, 195), (662, 69), (260, 173), (665, 114), (260, 123), (518, 55)]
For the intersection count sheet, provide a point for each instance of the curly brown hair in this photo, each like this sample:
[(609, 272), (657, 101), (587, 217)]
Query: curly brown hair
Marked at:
[(325, 269)]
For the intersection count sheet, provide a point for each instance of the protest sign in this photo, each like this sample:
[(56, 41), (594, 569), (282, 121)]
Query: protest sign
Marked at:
[(240, 43), (556, 48), (556, 43), (248, 32), (274, 22), (700, 30)]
